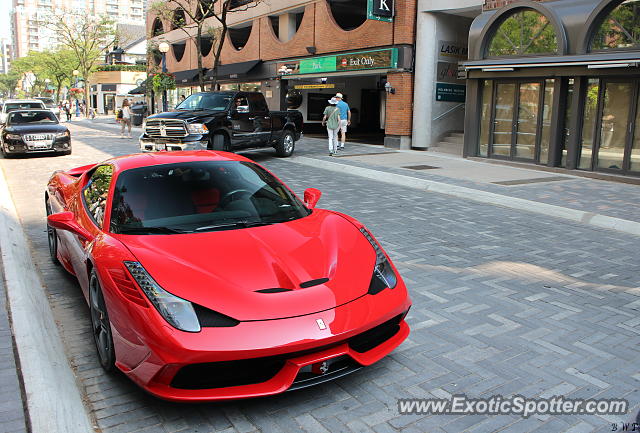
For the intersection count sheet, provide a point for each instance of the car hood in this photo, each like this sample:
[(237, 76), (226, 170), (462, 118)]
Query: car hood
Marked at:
[(225, 270), (188, 116), (36, 129)]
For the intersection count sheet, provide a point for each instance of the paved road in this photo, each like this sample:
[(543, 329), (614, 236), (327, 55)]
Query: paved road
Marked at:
[(505, 302)]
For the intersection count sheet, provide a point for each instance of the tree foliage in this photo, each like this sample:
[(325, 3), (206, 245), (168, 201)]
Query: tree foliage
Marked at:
[(525, 32), (86, 36), (203, 21), (8, 83), (620, 29)]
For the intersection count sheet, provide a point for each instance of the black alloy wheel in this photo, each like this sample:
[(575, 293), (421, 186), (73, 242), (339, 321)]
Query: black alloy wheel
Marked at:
[(100, 324), (52, 236)]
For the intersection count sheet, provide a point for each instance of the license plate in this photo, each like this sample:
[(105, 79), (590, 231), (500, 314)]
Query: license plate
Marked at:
[(36, 137), (160, 146), (39, 144)]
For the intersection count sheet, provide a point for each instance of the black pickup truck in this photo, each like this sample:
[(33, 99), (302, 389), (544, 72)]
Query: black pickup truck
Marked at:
[(226, 121)]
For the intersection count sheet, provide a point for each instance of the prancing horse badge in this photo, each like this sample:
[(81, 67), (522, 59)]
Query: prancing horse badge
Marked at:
[(321, 324)]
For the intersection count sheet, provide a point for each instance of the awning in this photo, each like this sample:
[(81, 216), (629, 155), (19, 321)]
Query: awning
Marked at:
[(186, 77), (592, 61), (232, 70)]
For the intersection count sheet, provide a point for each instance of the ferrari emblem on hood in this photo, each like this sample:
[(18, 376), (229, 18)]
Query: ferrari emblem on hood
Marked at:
[(321, 324)]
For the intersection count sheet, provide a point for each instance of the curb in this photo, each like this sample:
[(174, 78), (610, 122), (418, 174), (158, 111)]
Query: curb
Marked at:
[(589, 218), (53, 399)]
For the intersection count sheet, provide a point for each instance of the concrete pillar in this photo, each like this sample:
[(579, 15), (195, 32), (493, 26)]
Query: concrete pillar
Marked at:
[(286, 26), (425, 77)]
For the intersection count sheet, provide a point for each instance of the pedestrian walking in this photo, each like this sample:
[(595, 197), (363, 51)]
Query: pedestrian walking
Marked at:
[(345, 118), (67, 110), (124, 116), (331, 118)]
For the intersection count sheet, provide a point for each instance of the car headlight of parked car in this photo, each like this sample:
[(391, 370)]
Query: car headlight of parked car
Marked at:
[(177, 311), (198, 128), (383, 275), (14, 137), (62, 134)]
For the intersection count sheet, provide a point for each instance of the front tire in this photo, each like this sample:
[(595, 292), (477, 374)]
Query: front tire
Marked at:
[(286, 145), (52, 236), (100, 325)]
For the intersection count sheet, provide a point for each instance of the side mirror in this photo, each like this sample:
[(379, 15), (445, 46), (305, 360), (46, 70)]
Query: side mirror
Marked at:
[(311, 197), (66, 221)]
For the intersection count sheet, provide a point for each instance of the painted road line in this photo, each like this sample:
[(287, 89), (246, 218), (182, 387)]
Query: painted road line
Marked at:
[(53, 399), (589, 218)]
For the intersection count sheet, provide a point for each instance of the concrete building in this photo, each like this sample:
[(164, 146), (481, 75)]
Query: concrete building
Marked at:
[(28, 34), (5, 56), (299, 53), (564, 93)]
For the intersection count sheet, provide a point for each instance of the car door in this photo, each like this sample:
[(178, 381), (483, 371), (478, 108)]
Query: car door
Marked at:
[(242, 128), (260, 118), (90, 207)]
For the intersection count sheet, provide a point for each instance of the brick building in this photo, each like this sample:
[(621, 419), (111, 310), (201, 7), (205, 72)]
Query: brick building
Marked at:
[(556, 83), (299, 53)]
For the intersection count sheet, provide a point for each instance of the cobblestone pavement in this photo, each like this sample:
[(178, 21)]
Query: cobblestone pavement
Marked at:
[(505, 302)]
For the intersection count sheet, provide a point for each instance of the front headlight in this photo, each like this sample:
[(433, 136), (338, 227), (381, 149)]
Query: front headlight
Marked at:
[(383, 275), (177, 311), (62, 134), (14, 137), (198, 128)]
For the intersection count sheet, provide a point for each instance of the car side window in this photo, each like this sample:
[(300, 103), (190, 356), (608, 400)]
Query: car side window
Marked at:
[(96, 191)]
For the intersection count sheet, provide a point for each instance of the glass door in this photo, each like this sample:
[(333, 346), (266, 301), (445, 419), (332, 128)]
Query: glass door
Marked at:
[(519, 120), (614, 124), (502, 135), (616, 146)]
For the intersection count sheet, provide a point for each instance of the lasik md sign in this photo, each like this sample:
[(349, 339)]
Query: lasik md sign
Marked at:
[(381, 10)]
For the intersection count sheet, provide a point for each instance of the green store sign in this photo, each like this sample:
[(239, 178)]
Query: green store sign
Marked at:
[(362, 60)]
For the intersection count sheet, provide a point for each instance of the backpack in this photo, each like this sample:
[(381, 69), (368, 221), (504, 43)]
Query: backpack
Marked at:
[(119, 114)]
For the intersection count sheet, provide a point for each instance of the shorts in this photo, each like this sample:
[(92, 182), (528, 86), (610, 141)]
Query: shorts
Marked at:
[(343, 126)]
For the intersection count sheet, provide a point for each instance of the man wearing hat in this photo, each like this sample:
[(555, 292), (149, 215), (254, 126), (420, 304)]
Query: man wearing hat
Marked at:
[(345, 118)]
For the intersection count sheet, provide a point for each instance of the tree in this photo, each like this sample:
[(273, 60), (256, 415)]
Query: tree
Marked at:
[(56, 66), (86, 36), (8, 83), (194, 18)]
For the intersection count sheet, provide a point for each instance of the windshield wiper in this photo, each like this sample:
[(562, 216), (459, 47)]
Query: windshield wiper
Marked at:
[(236, 224), (151, 230)]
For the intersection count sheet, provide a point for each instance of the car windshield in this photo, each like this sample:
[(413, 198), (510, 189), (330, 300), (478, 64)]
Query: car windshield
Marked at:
[(23, 106), (47, 101), (195, 197), (206, 101), (24, 117)]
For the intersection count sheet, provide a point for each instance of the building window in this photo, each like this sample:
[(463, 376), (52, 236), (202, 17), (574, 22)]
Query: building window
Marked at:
[(234, 4), (206, 43), (178, 20), (525, 32), (239, 36), (178, 50), (157, 28), (349, 14), (620, 29)]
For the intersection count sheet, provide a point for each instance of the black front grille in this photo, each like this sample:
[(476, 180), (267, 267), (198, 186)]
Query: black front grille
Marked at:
[(163, 128), (375, 336), (227, 373)]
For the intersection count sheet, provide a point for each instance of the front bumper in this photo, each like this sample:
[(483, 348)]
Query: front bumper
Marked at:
[(190, 142), (60, 144), (297, 343)]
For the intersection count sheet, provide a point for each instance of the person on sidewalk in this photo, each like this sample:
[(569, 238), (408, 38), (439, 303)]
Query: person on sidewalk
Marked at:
[(125, 118), (67, 110), (345, 118), (331, 118)]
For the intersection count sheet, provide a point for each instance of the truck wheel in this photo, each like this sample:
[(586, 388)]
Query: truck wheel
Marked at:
[(219, 142), (286, 144)]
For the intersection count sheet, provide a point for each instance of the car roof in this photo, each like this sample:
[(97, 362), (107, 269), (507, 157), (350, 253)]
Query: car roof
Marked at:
[(138, 160), (11, 101)]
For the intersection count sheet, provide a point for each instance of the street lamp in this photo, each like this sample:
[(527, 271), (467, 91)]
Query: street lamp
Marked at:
[(164, 49)]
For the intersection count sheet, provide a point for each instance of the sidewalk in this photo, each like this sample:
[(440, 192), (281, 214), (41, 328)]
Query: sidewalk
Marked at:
[(599, 203)]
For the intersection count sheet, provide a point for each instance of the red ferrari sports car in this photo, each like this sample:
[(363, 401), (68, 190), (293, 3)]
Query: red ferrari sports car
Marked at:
[(208, 279)]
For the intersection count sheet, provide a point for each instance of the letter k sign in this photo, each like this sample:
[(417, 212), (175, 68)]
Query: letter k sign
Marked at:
[(383, 6)]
